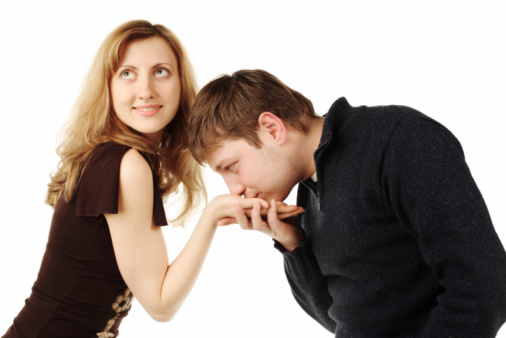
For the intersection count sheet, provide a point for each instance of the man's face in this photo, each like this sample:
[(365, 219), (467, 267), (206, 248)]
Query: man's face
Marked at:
[(266, 172)]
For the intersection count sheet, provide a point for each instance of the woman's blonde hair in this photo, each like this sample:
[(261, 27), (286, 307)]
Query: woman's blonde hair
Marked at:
[(94, 122)]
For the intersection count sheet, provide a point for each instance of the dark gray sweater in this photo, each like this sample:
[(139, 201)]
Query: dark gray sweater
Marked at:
[(399, 242)]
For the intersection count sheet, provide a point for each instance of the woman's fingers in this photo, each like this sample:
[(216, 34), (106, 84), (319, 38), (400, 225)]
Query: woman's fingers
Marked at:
[(284, 212), (284, 208), (284, 215), (248, 203)]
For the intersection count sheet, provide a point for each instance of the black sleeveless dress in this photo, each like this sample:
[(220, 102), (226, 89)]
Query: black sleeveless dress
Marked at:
[(79, 291)]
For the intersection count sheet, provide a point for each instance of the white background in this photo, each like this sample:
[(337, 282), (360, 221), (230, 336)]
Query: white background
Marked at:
[(444, 58)]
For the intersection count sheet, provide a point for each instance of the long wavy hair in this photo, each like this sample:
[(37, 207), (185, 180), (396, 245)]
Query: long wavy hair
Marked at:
[(93, 122)]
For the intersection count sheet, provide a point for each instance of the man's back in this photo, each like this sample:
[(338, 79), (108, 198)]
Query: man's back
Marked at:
[(398, 229)]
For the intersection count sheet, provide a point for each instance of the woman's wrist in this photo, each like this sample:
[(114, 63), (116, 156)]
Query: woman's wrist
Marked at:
[(212, 211)]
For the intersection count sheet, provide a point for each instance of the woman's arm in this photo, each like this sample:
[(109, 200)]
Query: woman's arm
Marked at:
[(140, 247)]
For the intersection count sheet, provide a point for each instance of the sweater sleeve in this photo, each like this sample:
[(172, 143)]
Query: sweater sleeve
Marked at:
[(434, 195), (308, 286)]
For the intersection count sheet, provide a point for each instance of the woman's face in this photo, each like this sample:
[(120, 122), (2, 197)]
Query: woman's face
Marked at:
[(145, 88)]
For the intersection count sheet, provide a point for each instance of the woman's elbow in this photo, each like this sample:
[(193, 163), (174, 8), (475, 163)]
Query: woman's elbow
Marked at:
[(161, 311), (163, 316)]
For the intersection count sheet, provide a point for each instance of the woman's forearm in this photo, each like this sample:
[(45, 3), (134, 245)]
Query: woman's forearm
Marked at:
[(184, 270)]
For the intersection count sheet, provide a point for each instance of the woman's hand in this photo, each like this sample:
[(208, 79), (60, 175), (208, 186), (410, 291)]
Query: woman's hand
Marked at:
[(222, 208), (283, 210), (289, 235)]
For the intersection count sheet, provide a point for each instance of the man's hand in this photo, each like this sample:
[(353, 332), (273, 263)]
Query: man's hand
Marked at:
[(289, 235)]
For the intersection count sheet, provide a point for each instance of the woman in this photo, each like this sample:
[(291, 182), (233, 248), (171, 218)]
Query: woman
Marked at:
[(124, 150)]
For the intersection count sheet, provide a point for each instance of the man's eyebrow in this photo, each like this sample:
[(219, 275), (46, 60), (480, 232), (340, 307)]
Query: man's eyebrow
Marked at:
[(220, 165)]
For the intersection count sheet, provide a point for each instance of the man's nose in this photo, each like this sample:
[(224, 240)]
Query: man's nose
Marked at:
[(235, 187)]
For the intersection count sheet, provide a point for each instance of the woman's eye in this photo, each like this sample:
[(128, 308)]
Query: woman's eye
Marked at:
[(127, 74), (161, 72), (229, 167)]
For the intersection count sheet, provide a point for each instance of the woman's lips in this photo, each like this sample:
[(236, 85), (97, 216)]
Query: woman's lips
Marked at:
[(147, 110)]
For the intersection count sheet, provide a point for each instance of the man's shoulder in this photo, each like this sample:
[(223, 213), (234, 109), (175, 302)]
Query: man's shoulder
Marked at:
[(342, 115), (374, 118)]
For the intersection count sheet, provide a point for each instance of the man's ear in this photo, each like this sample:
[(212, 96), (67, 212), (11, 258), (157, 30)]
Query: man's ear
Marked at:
[(272, 126)]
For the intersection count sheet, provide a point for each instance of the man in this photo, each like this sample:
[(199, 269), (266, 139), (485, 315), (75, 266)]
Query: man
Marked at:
[(395, 240)]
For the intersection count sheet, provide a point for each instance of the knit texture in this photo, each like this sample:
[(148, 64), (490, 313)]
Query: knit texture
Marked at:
[(399, 241)]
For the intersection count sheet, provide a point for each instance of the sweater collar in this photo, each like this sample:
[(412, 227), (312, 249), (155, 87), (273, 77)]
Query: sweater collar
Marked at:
[(336, 119)]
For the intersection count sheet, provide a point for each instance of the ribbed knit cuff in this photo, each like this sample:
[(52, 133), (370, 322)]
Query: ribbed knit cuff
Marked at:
[(282, 249)]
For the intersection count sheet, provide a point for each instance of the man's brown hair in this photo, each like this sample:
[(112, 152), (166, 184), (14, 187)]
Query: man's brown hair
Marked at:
[(229, 107)]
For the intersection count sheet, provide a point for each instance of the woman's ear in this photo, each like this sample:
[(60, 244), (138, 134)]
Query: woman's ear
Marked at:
[(272, 126)]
